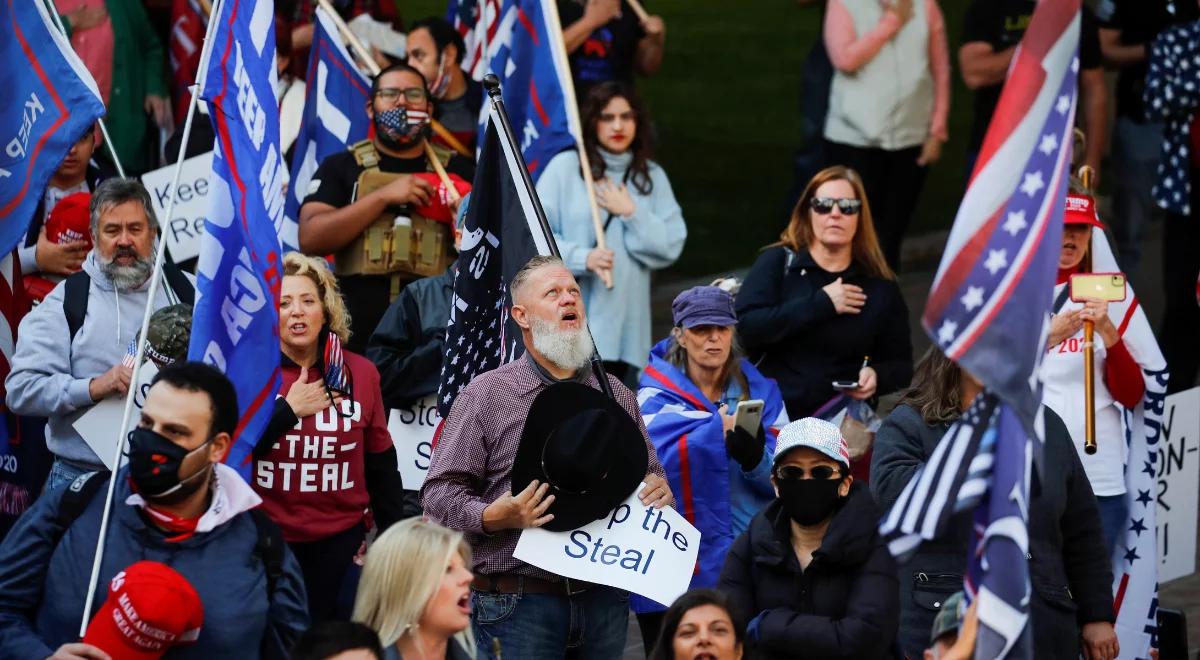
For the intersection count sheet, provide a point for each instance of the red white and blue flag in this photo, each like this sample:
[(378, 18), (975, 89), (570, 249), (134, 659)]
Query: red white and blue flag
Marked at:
[(333, 116), (188, 23), (989, 311), (478, 21), (534, 74), (236, 323)]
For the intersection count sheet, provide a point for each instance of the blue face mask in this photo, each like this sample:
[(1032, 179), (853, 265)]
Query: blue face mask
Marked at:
[(401, 127)]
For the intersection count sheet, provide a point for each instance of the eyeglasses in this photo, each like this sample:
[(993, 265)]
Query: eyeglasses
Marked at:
[(818, 472), (410, 94), (824, 205)]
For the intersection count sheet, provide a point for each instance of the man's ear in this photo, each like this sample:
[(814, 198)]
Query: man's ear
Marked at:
[(844, 487), (450, 52), (371, 109), (520, 316), (219, 447)]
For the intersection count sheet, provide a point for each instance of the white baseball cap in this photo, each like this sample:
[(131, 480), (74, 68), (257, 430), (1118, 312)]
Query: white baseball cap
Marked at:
[(813, 433)]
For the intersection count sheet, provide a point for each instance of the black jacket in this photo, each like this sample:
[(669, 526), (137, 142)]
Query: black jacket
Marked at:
[(785, 319), (408, 343), (843, 606), (1068, 564)]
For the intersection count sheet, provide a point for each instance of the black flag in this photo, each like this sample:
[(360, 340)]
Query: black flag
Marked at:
[(501, 233)]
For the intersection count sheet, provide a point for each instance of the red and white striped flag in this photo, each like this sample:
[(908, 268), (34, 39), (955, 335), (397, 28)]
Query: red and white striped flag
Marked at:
[(188, 22)]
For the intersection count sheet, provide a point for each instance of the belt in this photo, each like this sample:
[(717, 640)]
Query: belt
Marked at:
[(509, 583)]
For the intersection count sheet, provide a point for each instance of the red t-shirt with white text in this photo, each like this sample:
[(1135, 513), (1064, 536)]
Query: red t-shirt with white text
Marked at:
[(313, 481)]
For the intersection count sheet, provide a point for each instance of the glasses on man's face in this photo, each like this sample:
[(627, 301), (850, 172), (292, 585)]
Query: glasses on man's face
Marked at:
[(824, 205), (394, 94), (818, 472)]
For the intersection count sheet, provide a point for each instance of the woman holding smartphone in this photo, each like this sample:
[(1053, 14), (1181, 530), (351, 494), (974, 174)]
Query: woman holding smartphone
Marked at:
[(690, 395), (823, 297), (1119, 382)]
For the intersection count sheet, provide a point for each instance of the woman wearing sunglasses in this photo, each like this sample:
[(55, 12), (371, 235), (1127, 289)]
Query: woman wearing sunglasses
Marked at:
[(326, 454), (812, 574), (822, 306)]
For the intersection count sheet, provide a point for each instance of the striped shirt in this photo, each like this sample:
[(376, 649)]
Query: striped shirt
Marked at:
[(472, 462)]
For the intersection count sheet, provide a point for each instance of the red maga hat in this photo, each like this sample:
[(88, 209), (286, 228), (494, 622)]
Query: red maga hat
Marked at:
[(1081, 210), (150, 608), (69, 221)]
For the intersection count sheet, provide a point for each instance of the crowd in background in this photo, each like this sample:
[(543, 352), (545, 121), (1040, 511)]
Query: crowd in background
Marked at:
[(327, 553)]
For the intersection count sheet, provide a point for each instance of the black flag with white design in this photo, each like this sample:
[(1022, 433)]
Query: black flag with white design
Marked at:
[(501, 234)]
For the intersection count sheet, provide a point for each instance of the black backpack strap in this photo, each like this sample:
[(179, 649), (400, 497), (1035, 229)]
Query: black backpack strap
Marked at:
[(179, 283), (75, 301), (269, 549), (77, 495)]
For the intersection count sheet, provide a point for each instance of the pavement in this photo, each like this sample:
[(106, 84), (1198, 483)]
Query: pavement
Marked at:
[(920, 258)]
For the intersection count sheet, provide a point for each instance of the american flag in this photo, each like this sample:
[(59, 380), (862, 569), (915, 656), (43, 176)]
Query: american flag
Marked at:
[(15, 489), (501, 233), (337, 377), (989, 311), (479, 23)]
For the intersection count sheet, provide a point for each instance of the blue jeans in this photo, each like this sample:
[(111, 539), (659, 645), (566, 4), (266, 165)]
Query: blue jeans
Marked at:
[(1113, 511), (587, 626), (63, 473)]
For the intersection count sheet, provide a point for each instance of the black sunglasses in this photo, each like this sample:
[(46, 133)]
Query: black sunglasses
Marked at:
[(824, 205), (819, 472)]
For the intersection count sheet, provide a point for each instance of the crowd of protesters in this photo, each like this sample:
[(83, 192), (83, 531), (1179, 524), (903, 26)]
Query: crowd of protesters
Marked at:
[(328, 553)]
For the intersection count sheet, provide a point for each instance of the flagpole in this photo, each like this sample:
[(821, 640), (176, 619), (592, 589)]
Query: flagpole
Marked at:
[(554, 28), (112, 150), (151, 294), (365, 56), (491, 84)]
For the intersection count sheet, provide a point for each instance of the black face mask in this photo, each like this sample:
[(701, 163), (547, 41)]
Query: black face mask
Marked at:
[(809, 501), (154, 463)]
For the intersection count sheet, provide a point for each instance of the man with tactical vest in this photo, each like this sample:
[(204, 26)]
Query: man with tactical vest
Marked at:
[(365, 205)]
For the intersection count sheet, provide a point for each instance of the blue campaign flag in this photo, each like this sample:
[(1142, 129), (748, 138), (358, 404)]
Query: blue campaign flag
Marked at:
[(535, 79), (50, 101), (334, 115), (236, 323)]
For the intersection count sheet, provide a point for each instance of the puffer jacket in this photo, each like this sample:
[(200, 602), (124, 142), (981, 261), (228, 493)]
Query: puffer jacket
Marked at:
[(842, 606), (1068, 566)]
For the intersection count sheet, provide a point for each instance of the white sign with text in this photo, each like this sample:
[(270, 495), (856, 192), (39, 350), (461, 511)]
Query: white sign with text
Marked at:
[(1178, 485), (100, 425), (650, 552), (412, 430), (183, 230)]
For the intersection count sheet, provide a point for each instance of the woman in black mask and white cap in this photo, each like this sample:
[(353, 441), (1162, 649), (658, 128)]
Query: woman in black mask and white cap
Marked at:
[(811, 573)]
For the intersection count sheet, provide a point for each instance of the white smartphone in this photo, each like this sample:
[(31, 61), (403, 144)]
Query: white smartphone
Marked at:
[(749, 416)]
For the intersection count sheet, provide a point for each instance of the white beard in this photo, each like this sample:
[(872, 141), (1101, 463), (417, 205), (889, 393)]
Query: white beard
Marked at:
[(567, 349)]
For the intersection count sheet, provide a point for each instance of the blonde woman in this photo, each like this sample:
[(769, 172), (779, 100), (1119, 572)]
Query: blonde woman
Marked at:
[(326, 454), (416, 592)]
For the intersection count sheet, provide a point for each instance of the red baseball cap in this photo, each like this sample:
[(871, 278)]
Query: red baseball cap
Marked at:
[(150, 608), (1081, 210), (70, 220)]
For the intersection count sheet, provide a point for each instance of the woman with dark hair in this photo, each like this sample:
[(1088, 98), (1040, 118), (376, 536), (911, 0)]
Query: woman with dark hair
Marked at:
[(700, 624), (643, 224), (822, 304), (689, 394), (1068, 564)]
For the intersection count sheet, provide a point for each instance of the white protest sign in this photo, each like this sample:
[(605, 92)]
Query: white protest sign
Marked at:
[(99, 425), (651, 552), (1178, 485), (183, 229), (412, 431)]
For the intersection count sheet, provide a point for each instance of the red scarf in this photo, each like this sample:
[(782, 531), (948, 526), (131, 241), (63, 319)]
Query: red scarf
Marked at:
[(185, 528)]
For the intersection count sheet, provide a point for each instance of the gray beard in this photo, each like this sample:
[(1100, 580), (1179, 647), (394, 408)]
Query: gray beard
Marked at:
[(127, 278), (567, 349)]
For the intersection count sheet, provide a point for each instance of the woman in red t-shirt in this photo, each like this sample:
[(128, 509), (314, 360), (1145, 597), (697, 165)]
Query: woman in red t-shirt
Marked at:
[(326, 455)]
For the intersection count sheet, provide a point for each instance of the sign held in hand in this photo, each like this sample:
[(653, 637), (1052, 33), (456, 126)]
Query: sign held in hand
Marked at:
[(412, 430), (650, 552)]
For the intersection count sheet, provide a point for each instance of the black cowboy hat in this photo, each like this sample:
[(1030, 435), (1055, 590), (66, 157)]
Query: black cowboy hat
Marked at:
[(586, 447)]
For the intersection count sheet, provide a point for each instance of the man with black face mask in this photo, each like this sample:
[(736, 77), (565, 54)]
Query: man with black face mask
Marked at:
[(347, 212), (811, 573), (175, 502)]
